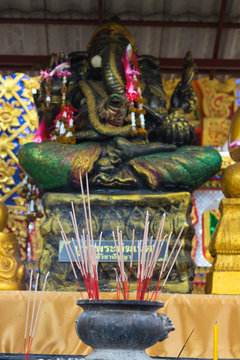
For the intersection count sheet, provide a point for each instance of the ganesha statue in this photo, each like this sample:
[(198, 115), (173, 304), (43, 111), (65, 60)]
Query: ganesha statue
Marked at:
[(104, 112)]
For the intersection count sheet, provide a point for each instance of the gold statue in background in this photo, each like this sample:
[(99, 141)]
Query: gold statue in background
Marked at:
[(11, 267), (224, 275)]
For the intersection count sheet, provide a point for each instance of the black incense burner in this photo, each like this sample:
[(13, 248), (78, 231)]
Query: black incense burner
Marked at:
[(121, 329)]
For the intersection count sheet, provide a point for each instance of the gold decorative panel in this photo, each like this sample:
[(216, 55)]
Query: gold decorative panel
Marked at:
[(18, 123), (218, 105)]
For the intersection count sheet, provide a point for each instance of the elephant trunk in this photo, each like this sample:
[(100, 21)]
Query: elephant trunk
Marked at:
[(97, 125), (112, 69)]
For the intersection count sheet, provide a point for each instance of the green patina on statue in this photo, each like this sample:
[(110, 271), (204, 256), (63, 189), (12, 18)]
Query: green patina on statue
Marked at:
[(152, 157)]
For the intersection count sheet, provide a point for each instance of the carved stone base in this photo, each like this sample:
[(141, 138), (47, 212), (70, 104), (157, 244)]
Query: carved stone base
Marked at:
[(224, 275), (127, 211)]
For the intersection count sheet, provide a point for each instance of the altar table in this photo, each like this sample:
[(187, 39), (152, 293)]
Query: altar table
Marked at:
[(55, 331)]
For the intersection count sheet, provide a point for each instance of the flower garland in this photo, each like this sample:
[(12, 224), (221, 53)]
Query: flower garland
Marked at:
[(133, 93), (60, 70), (33, 197), (64, 129)]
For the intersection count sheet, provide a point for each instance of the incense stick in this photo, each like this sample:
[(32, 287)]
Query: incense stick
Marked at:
[(74, 222), (174, 260), (156, 252), (175, 244), (117, 283), (40, 302), (163, 265), (145, 236), (89, 208), (185, 344), (86, 260), (32, 317), (84, 202), (67, 244), (100, 240), (27, 315), (139, 270), (131, 261), (37, 315), (133, 237), (73, 268)]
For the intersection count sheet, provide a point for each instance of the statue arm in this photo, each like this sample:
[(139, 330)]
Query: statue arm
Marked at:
[(183, 97), (176, 128)]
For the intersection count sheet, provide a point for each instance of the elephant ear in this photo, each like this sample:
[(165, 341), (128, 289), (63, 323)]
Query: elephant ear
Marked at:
[(56, 59), (150, 69), (79, 65)]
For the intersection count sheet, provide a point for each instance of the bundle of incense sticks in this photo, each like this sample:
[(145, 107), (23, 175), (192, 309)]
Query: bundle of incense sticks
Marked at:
[(29, 336), (84, 254), (147, 259)]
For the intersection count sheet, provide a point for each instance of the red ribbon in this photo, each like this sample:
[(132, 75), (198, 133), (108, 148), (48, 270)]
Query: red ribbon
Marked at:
[(234, 144), (57, 71), (130, 73), (42, 133)]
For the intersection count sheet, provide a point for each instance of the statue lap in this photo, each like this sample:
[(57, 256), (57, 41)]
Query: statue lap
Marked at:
[(157, 183)]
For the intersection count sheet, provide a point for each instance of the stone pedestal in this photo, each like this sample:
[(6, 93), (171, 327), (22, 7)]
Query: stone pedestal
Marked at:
[(127, 211), (224, 275)]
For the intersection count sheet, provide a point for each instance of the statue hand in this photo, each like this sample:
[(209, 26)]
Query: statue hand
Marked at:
[(176, 130), (183, 96)]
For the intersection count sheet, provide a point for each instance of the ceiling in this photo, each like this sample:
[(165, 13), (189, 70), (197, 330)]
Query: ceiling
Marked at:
[(167, 29)]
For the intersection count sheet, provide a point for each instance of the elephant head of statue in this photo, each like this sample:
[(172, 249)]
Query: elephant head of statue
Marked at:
[(97, 88), (106, 49)]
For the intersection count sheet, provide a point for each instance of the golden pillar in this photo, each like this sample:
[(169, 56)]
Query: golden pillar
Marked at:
[(224, 275)]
